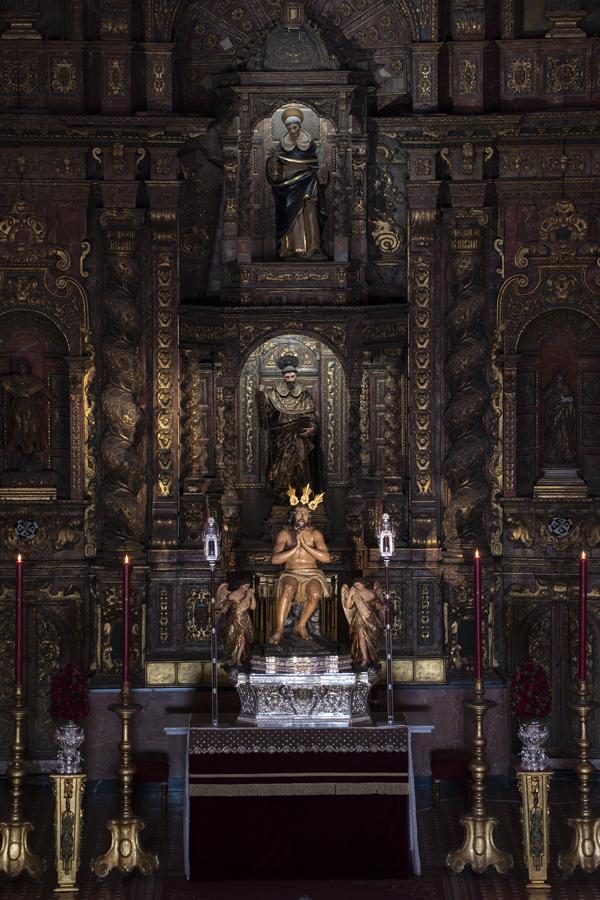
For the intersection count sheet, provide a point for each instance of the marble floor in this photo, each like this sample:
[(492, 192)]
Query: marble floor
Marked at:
[(439, 832)]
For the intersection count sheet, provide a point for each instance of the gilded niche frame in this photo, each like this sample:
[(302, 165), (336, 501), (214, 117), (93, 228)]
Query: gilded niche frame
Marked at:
[(35, 278), (561, 273)]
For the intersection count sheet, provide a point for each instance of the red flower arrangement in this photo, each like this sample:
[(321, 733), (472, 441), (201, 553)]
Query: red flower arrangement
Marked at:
[(69, 694), (530, 693)]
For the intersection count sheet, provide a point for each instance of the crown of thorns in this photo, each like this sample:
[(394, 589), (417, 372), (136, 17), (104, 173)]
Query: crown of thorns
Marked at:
[(305, 500), (288, 362)]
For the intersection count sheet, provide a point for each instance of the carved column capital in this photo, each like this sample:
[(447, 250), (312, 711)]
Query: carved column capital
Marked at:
[(121, 229), (468, 20), (422, 226), (164, 225)]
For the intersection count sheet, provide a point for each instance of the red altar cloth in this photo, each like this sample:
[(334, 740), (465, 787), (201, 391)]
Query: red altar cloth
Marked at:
[(291, 803)]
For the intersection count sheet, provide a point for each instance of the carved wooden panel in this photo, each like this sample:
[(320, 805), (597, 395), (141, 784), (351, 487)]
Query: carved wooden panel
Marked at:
[(543, 625), (53, 636)]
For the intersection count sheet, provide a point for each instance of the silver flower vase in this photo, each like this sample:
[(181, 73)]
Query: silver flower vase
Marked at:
[(533, 737), (69, 738)]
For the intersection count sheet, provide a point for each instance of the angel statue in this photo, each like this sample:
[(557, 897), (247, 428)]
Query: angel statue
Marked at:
[(234, 624), (365, 611)]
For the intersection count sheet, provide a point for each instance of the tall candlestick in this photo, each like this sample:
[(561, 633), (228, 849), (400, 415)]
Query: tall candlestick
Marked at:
[(126, 627), (478, 657), (19, 621), (583, 578)]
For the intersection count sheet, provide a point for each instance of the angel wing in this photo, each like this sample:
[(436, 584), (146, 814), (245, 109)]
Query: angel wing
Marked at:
[(347, 594), (381, 601), (221, 600), (378, 590)]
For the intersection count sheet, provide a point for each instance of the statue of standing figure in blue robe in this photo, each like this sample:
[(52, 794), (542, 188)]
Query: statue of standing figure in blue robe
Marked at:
[(298, 182)]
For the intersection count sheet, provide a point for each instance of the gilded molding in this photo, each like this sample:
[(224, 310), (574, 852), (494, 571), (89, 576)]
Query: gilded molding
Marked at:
[(421, 329), (194, 418), (122, 440), (165, 285)]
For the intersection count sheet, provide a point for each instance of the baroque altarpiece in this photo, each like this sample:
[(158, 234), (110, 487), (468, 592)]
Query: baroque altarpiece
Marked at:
[(439, 306)]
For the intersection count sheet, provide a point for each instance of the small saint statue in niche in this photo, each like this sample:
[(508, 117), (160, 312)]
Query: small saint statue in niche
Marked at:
[(559, 422), (298, 183), (26, 417), (287, 412)]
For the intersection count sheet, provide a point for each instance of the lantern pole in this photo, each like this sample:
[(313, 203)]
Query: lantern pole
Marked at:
[(385, 536), (212, 554)]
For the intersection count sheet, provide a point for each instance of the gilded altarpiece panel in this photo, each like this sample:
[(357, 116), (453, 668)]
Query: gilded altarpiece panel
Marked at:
[(108, 603), (559, 284)]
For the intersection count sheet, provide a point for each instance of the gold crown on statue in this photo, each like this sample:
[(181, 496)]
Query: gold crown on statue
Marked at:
[(305, 500)]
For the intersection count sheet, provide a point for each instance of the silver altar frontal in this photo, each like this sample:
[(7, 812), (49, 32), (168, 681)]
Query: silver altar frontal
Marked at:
[(303, 691)]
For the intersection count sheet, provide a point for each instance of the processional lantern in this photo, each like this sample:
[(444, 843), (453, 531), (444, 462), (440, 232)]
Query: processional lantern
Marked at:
[(385, 536), (212, 542)]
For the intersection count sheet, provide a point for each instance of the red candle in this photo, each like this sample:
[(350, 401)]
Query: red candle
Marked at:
[(583, 577), (19, 621), (126, 625), (478, 658)]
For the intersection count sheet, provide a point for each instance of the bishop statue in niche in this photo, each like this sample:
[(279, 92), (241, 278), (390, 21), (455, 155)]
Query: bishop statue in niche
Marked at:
[(298, 182), (287, 412)]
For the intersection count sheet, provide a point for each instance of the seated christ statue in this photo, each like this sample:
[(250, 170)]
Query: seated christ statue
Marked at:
[(299, 548)]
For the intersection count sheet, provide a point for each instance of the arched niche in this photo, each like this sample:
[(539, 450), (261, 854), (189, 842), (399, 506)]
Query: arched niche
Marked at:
[(265, 138), (32, 338), (558, 341), (321, 371)]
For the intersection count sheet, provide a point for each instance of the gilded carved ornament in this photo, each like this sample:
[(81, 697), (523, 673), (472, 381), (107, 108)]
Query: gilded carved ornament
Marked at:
[(495, 463), (520, 74), (563, 260), (108, 614), (459, 609), (562, 237), (64, 76), (519, 530), (468, 77), (34, 275)]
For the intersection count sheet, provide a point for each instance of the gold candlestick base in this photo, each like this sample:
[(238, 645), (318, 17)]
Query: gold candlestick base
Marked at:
[(584, 850), (15, 855), (125, 852), (535, 823), (478, 848), (585, 847)]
